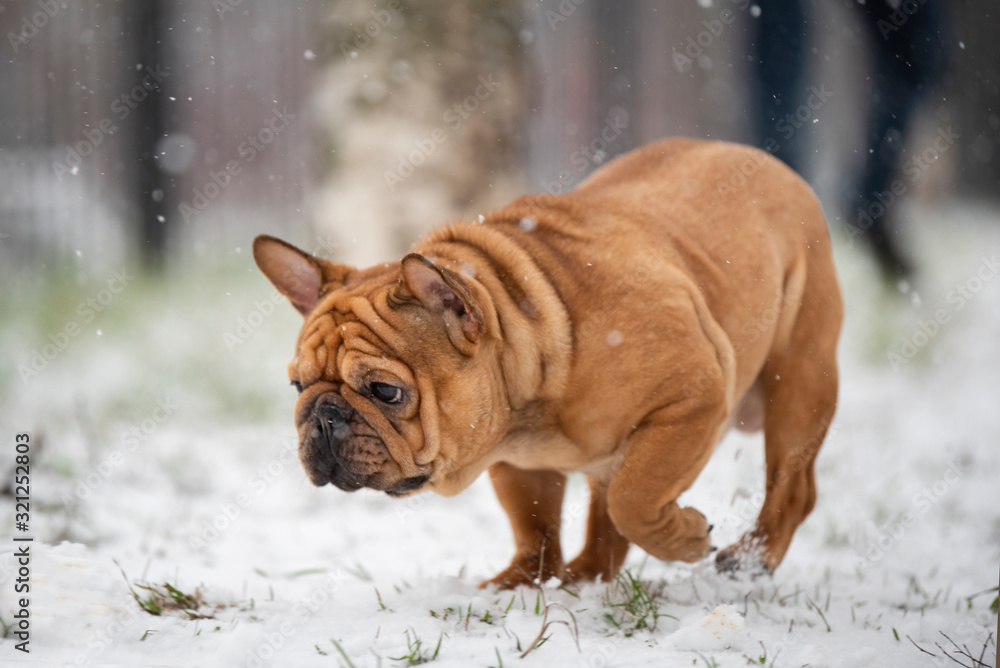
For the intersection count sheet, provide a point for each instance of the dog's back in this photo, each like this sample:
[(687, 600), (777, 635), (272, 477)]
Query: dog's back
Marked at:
[(738, 219)]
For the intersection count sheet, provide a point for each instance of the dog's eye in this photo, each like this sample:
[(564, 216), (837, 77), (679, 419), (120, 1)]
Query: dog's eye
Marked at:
[(387, 394), (297, 385)]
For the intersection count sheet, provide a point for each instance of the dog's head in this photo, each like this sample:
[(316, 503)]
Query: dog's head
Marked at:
[(397, 371)]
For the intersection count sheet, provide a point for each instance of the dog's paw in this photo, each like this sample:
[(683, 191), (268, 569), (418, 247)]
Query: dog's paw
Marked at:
[(737, 559), (681, 534), (695, 541), (528, 571)]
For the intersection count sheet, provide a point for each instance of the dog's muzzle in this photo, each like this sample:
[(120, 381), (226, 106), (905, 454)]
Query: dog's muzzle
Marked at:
[(333, 456), (331, 423)]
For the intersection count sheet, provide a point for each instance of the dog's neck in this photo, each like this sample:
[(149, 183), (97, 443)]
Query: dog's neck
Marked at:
[(535, 355)]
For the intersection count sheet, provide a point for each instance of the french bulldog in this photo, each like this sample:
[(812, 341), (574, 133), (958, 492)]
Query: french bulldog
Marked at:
[(618, 330)]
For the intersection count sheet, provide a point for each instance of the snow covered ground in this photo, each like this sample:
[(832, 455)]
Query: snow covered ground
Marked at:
[(163, 453)]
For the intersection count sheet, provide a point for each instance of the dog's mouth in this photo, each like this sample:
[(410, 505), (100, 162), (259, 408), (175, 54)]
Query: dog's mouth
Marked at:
[(407, 485), (341, 474), (343, 478)]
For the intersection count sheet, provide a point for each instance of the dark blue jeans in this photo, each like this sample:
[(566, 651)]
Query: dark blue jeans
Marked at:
[(908, 58)]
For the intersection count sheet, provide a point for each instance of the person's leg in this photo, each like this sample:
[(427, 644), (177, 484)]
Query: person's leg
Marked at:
[(907, 59), (778, 47)]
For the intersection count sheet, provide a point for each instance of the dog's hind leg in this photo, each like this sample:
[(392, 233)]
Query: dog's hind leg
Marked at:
[(533, 502), (799, 384)]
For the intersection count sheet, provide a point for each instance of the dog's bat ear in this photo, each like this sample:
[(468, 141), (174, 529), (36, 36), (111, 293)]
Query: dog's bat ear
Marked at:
[(301, 277), (443, 292)]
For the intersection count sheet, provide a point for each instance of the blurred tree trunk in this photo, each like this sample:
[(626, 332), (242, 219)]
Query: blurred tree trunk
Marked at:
[(151, 190), (421, 117)]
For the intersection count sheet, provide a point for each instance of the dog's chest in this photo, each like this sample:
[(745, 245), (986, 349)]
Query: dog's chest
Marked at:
[(550, 449)]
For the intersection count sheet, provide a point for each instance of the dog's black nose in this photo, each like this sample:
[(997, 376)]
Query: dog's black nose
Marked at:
[(330, 420)]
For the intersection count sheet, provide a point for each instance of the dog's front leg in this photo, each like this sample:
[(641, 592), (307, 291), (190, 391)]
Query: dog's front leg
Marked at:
[(605, 548), (663, 458), (533, 502)]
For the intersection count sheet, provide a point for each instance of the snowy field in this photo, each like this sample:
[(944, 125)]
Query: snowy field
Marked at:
[(163, 454)]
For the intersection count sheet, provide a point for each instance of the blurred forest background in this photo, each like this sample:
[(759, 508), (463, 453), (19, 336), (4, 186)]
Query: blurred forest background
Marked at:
[(154, 132)]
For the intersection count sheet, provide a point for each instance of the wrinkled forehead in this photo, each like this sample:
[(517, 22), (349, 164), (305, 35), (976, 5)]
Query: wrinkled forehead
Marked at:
[(341, 324)]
